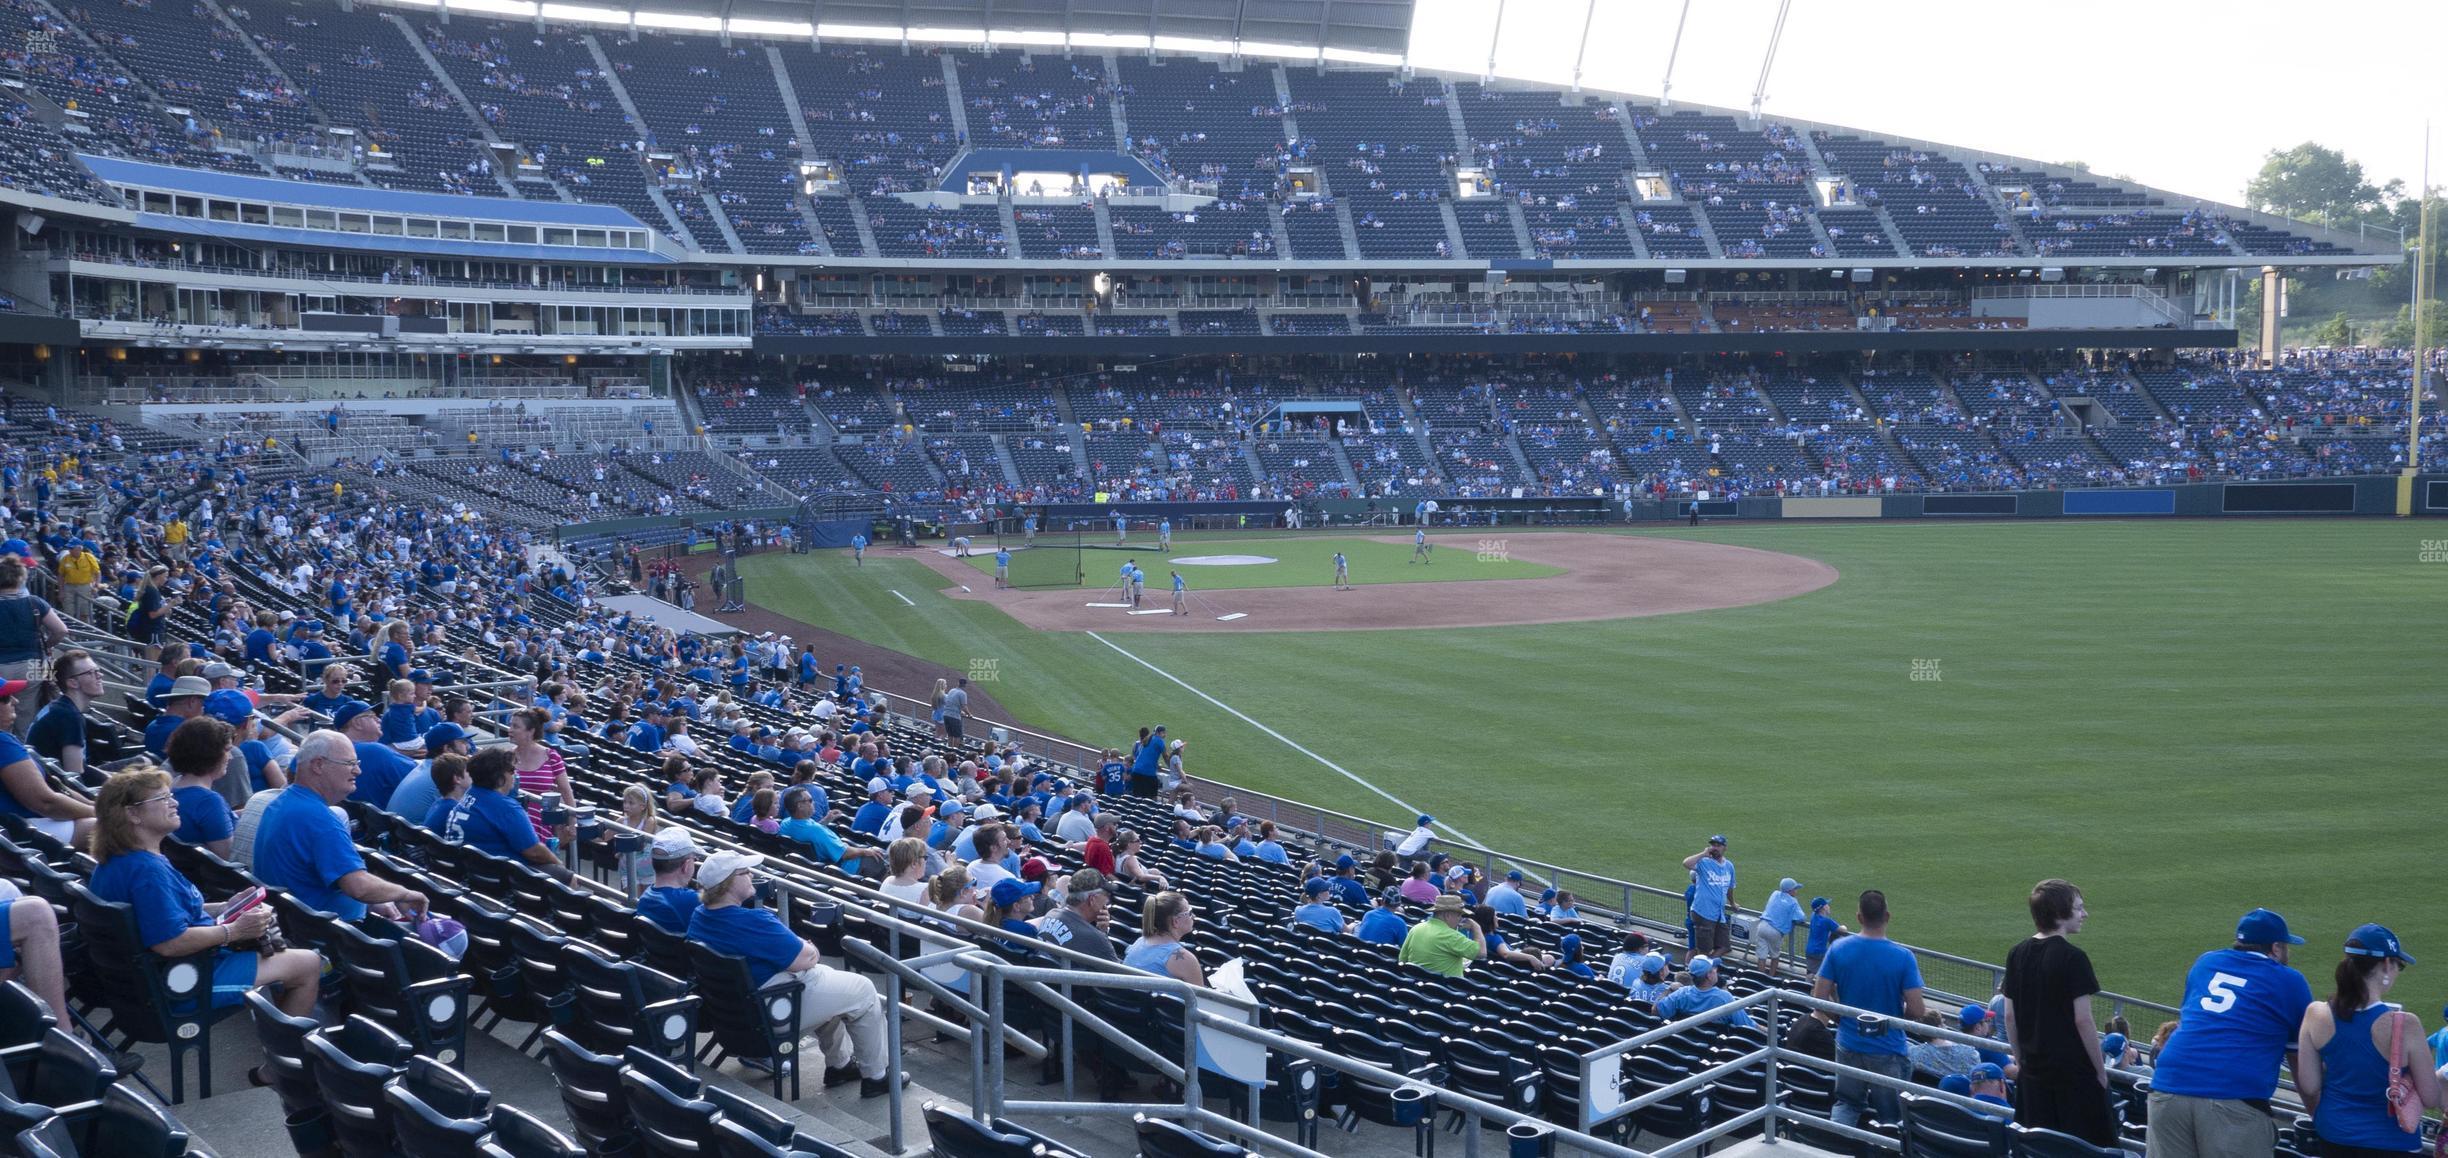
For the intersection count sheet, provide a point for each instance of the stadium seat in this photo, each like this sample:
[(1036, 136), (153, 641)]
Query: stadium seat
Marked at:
[(406, 984), (1937, 1129), (151, 998), (519, 1134), (285, 1055), (2030, 1143), (622, 1003), (743, 1021), (438, 1111), (1159, 1138), (953, 1135), (352, 1062), (591, 1094)]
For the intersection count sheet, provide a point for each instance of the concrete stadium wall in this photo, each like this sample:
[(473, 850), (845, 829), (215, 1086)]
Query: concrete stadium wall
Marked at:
[(1854, 507), (2363, 495)]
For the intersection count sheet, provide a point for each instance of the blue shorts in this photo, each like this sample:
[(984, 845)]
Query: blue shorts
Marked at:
[(233, 973), (8, 945)]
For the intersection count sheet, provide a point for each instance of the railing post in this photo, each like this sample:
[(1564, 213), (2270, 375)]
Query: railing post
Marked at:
[(892, 1036), (994, 1045), (1190, 1059), (1768, 1079)]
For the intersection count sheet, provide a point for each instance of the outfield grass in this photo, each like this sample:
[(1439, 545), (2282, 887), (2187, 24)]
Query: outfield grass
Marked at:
[(1300, 561), (2187, 719)]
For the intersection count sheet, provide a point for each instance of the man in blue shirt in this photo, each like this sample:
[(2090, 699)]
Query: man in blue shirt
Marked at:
[(183, 702), (1002, 566), (1315, 912), (1823, 932), (1702, 995), (1776, 925), (2240, 1012), (1712, 884), (489, 818), (302, 846), (872, 815), (1870, 972), (671, 900), (380, 767), (1383, 925), (841, 1008), (1346, 882), (1505, 896)]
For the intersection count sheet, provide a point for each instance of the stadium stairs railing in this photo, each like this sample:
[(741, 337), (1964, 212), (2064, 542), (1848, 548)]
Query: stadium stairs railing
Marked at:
[(1654, 910)]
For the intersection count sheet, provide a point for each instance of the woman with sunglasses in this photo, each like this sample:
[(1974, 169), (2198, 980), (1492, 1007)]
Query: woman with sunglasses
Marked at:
[(137, 811), (2347, 1046)]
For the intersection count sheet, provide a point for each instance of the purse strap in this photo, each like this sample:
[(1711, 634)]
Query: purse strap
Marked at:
[(2396, 1058)]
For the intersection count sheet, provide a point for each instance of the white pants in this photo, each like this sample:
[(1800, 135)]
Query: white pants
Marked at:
[(1766, 941), (847, 1016)]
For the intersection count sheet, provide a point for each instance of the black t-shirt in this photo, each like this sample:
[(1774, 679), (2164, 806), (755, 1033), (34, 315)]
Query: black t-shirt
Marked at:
[(2044, 975)]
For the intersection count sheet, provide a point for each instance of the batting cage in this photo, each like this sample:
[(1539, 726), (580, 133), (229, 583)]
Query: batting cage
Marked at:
[(1051, 560)]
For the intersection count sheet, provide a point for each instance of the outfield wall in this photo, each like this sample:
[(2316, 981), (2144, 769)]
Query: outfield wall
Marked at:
[(2364, 495)]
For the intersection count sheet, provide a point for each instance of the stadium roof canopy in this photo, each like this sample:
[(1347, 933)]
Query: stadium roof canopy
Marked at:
[(1371, 31)]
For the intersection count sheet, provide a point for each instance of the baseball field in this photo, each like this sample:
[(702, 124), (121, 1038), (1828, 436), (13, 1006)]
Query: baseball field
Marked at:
[(2185, 718)]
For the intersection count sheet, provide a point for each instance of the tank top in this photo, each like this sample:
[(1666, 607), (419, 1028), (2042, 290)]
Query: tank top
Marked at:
[(1149, 956), (543, 780), (2354, 1089)]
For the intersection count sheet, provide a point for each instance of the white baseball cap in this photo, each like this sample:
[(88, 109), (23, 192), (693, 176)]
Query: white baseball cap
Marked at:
[(675, 843), (721, 865), (988, 812)]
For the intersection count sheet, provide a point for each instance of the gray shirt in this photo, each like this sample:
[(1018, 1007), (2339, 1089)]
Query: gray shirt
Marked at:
[(955, 703), (1076, 933)]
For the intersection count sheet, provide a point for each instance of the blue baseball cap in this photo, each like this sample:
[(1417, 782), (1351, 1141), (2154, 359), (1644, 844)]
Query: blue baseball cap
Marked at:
[(1010, 889), (1972, 1015), (1345, 861), (1788, 885), (349, 711), (1718, 840), (1570, 946), (2113, 1045), (1989, 1071), (2376, 941), (420, 676), (1513, 874), (1653, 963), (1425, 820), (2263, 927), (1958, 1084), (1700, 967), (230, 706), (1818, 903), (441, 736), (1313, 886)]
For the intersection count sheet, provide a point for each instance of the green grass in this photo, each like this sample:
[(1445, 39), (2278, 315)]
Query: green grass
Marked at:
[(1299, 562), (2187, 719)]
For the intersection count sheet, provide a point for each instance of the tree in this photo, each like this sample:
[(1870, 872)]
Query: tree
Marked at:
[(2399, 334), (2335, 332), (2314, 183)]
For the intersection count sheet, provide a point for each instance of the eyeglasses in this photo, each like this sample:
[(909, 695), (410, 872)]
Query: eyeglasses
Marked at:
[(78, 675), (152, 800)]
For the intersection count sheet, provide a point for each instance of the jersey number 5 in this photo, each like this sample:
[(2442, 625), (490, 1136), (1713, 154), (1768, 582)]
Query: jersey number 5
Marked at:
[(2222, 995)]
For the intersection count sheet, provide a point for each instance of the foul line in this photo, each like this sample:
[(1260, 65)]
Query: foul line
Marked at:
[(1288, 741), (902, 598)]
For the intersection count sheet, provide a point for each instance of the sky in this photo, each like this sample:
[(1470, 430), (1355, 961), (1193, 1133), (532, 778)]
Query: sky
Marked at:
[(2178, 96)]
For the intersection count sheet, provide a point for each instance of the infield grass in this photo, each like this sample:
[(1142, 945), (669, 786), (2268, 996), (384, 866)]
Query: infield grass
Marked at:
[(1299, 561), (2187, 719)]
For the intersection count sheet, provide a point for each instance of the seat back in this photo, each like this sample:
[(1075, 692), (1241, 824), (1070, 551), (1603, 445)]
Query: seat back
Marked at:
[(133, 1125), (1159, 1138), (590, 1090), (2030, 1143), (128, 977), (1941, 1129), (667, 951), (425, 1131), (50, 1139), (352, 1062), (672, 1124), (739, 1016), (952, 1135), (522, 1135), (66, 1071), (284, 1047)]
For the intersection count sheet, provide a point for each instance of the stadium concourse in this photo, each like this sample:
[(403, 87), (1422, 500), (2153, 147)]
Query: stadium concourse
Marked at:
[(523, 786)]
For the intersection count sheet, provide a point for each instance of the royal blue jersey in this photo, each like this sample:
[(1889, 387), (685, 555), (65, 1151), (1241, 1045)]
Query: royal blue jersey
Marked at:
[(2239, 1016)]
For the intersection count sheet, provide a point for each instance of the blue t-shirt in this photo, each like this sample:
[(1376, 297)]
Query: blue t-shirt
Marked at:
[(1506, 898), (756, 934), (12, 752), (1783, 912), (1319, 915), (1822, 930), (1384, 927), (399, 724), (871, 817), (258, 756), (58, 727), (669, 906), (813, 833), (379, 772), (437, 815), (1872, 973), (415, 795), (2240, 1012), (166, 904), (300, 846), (490, 822), (157, 734), (204, 817), (1692, 999), (1714, 879)]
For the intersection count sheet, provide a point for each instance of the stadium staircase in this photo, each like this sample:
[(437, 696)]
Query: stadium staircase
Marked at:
[(1282, 234), (952, 94), (271, 67), (1104, 227), (1121, 123), (654, 186), (1005, 464), (1522, 241), (1521, 461), (441, 76), (1895, 236), (866, 227), (722, 219), (1351, 235), (1453, 233)]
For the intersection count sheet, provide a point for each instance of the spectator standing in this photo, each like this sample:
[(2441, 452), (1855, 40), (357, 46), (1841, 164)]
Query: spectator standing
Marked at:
[(1870, 972), (2062, 1077), (1712, 885), (2212, 1083), (2348, 1047), (1775, 927), (956, 712), (28, 628), (1824, 930)]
